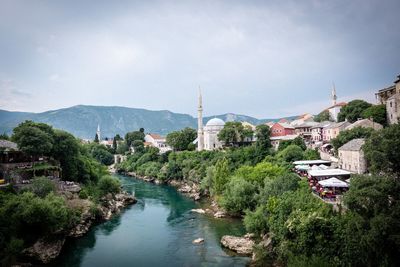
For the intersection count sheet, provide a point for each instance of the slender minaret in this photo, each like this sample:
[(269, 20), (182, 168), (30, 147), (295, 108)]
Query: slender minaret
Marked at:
[(334, 96), (98, 132), (200, 132)]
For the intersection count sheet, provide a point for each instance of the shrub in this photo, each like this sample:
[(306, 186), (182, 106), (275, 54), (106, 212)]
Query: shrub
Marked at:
[(108, 184), (42, 186)]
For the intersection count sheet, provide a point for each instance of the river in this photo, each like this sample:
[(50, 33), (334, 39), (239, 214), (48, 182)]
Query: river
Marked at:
[(157, 231)]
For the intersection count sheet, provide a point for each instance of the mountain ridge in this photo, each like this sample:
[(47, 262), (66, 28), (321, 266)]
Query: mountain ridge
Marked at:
[(82, 120)]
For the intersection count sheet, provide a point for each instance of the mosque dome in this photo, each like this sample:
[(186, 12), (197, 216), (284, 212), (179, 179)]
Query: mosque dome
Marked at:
[(215, 122)]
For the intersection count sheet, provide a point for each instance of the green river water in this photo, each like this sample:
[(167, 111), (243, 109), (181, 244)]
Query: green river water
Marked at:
[(157, 231)]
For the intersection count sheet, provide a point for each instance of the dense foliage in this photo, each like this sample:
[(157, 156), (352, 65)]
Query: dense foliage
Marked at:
[(322, 116), (382, 151), (348, 135), (235, 134), (377, 113), (353, 110), (182, 140)]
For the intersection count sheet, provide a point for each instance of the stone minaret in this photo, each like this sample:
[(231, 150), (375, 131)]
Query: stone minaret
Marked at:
[(200, 131), (334, 96), (98, 132)]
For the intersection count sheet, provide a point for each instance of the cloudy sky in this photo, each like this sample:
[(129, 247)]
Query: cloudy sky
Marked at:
[(259, 58)]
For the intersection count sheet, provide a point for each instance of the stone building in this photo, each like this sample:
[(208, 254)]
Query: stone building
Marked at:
[(390, 97), (351, 156)]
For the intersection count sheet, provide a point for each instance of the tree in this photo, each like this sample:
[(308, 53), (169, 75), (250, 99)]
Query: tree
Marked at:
[(138, 146), (133, 136), (311, 154), (181, 140), (96, 138), (322, 116), (234, 134), (221, 176), (353, 110), (108, 184), (66, 151), (348, 135), (382, 151), (102, 155), (263, 133), (42, 186), (239, 196), (33, 139), (371, 225), (4, 136), (377, 113), (114, 145), (291, 153)]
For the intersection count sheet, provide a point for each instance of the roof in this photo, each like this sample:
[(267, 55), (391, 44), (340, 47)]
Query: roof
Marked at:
[(285, 125), (215, 122), (337, 124), (308, 162), (328, 172), (322, 124), (307, 124), (340, 104), (333, 182), (390, 88), (284, 137), (8, 145), (156, 136), (353, 145), (365, 123)]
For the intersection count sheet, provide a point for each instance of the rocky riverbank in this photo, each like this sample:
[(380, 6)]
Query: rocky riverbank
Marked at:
[(48, 248)]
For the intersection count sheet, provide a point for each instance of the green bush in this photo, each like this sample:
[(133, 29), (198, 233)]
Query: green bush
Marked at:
[(42, 186), (108, 184), (83, 194)]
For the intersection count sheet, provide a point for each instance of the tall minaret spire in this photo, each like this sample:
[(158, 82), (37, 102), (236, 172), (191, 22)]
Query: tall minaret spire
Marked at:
[(334, 96), (200, 131), (98, 132)]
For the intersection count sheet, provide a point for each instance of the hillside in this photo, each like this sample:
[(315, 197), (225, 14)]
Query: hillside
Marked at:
[(82, 120)]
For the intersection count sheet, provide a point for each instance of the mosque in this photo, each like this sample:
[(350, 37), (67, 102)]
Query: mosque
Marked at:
[(207, 137)]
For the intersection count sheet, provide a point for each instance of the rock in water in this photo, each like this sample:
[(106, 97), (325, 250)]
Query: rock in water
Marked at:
[(198, 241), (220, 214), (201, 211), (45, 250), (240, 245)]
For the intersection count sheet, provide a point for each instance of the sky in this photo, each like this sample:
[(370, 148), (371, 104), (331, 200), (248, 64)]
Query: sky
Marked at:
[(264, 59)]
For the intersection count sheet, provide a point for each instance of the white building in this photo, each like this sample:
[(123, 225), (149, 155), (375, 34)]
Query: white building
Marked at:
[(158, 141), (334, 110), (211, 131), (207, 137)]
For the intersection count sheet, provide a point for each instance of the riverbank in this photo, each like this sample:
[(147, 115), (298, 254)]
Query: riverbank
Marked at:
[(48, 248)]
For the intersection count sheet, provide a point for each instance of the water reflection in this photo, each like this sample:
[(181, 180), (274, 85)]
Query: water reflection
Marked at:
[(157, 231)]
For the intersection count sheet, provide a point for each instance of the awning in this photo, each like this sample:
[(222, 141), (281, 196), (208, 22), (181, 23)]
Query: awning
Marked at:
[(333, 182)]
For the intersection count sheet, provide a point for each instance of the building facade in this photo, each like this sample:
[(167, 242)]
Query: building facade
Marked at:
[(390, 97), (282, 129), (365, 123), (351, 156), (158, 141)]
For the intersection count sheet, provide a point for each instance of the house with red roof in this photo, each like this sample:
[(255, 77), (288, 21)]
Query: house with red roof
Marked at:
[(158, 141), (282, 129)]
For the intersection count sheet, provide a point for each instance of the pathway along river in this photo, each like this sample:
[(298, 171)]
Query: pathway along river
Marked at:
[(157, 231)]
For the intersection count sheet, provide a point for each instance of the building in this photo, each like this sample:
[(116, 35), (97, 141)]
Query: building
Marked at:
[(317, 131), (365, 123), (98, 132), (158, 141), (207, 137), (211, 131), (282, 129), (332, 131), (305, 130), (390, 97), (275, 141), (334, 110), (302, 119), (351, 156)]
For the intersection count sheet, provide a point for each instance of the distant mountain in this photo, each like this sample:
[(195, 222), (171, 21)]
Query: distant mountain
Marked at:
[(82, 120)]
